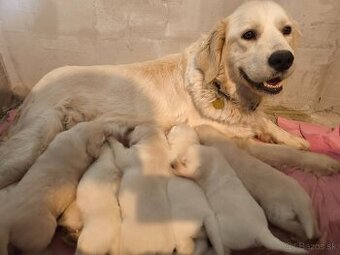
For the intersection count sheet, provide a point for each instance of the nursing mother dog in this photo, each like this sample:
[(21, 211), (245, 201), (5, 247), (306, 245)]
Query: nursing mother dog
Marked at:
[(219, 81)]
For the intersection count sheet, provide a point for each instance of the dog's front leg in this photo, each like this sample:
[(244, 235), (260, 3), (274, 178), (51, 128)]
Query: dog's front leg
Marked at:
[(237, 130), (280, 155), (268, 130)]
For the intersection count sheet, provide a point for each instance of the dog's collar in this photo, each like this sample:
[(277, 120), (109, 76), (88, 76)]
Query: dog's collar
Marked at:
[(218, 103)]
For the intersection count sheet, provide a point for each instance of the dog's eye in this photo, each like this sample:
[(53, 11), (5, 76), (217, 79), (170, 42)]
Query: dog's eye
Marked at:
[(287, 30), (249, 35)]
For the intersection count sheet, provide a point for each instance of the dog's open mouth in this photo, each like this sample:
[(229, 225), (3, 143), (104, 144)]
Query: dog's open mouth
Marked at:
[(272, 86)]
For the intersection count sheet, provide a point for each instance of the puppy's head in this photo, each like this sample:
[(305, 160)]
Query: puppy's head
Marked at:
[(188, 164), (89, 135), (180, 137), (252, 49)]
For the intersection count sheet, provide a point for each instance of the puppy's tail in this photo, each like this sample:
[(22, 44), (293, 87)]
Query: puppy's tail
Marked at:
[(4, 240), (268, 240)]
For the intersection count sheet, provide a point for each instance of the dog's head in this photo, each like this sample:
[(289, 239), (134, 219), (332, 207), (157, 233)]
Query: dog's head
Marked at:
[(251, 50)]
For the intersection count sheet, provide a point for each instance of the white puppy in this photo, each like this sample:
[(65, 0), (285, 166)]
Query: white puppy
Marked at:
[(286, 203), (190, 212), (189, 207), (98, 204), (28, 216), (146, 214), (241, 220)]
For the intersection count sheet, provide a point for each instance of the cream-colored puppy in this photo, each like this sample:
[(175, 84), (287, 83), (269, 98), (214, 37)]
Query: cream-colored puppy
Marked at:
[(146, 213), (189, 206), (28, 216), (98, 204), (242, 221), (190, 213), (285, 202)]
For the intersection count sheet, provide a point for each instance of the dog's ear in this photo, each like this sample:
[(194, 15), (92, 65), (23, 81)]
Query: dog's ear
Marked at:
[(208, 57), (297, 34)]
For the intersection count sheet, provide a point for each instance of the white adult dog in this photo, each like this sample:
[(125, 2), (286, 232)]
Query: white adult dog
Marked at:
[(219, 80)]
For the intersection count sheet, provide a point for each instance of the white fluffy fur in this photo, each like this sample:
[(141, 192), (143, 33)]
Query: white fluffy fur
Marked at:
[(189, 207), (285, 202), (241, 220), (170, 90), (28, 217), (98, 204), (190, 213), (146, 215)]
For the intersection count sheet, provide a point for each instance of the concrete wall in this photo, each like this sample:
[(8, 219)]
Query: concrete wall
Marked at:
[(39, 35)]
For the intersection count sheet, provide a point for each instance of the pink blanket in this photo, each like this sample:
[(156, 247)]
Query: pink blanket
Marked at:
[(324, 191)]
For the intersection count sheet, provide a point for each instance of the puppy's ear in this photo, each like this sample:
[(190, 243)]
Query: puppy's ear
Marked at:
[(208, 57)]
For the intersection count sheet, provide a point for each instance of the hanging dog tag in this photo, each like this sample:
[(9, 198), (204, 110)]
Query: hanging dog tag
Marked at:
[(218, 103)]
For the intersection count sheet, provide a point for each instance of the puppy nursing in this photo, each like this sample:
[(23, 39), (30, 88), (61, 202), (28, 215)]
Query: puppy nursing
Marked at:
[(241, 220), (97, 202), (189, 207), (146, 215), (287, 205), (28, 217)]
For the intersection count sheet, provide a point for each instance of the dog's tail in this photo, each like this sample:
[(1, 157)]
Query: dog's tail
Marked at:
[(268, 240), (4, 240)]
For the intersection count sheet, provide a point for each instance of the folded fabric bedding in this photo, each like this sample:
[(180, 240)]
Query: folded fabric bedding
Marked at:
[(324, 191)]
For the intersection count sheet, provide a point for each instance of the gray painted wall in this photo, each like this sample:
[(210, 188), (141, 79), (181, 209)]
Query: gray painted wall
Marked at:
[(39, 35)]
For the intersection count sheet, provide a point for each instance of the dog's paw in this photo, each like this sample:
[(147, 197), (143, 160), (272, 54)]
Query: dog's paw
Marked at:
[(296, 142), (321, 165)]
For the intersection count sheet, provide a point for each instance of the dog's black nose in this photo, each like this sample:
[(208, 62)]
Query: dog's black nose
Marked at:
[(281, 60)]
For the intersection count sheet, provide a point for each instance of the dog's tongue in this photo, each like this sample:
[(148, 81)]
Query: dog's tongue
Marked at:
[(274, 81)]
